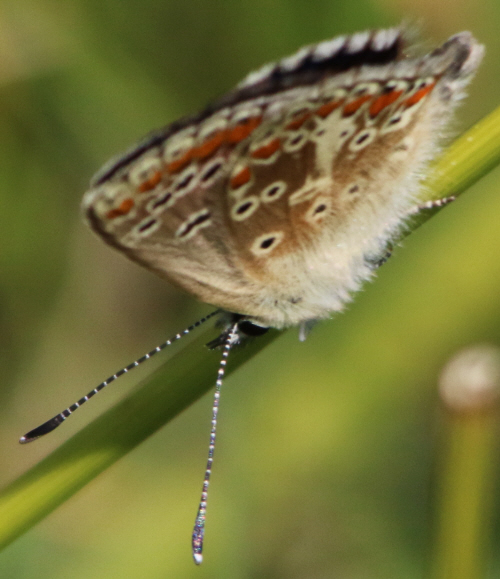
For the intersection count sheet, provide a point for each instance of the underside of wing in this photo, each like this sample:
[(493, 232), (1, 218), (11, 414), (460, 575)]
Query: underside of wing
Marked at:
[(269, 201)]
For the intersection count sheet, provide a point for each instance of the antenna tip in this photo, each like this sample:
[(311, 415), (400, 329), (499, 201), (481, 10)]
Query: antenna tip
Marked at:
[(198, 558), (44, 428)]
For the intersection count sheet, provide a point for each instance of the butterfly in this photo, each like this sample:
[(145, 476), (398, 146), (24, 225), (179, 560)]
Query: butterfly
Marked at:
[(277, 202)]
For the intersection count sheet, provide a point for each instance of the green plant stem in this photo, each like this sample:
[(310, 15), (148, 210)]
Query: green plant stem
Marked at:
[(464, 162), (191, 373), (465, 495), (166, 393)]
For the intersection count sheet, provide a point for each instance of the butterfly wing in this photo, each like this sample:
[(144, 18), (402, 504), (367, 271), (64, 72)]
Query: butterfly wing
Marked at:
[(268, 203)]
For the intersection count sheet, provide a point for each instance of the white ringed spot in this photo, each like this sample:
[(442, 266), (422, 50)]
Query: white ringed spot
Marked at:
[(273, 192), (245, 208), (211, 171), (295, 141), (146, 227), (362, 139), (185, 181), (399, 120), (318, 210), (193, 224), (264, 244), (161, 202)]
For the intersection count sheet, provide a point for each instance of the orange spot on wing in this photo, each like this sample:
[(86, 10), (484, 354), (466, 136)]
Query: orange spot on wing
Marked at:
[(298, 121), (324, 110), (418, 95), (150, 183), (266, 151), (181, 162), (209, 146), (383, 101), (122, 209), (242, 130), (355, 105), (241, 178)]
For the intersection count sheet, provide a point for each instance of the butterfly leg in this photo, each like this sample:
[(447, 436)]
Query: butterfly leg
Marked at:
[(435, 205), (245, 328), (305, 328), (376, 261)]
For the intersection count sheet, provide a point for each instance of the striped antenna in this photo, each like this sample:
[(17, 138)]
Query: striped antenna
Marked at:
[(232, 338), (53, 423)]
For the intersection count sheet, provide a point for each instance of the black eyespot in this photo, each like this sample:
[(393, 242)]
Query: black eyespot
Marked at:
[(344, 133), (320, 208), (272, 192), (211, 172), (296, 140), (353, 189), (242, 208), (362, 138), (395, 120), (197, 221), (267, 242), (147, 225), (185, 182), (162, 200)]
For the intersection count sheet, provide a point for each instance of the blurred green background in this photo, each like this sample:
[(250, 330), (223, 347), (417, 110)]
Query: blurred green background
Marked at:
[(328, 450)]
